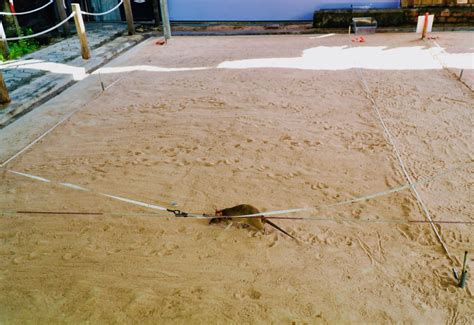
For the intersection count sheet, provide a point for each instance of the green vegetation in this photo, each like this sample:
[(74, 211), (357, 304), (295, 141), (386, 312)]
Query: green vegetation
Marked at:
[(21, 47)]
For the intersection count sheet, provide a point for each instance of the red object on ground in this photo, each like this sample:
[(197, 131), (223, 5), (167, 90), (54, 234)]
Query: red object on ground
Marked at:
[(360, 39), (160, 42)]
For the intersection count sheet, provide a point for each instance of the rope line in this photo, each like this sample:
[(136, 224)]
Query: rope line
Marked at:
[(353, 200), (9, 212), (83, 189), (25, 12), (39, 138), (32, 143), (256, 215), (102, 13), (444, 65), (40, 33), (391, 140)]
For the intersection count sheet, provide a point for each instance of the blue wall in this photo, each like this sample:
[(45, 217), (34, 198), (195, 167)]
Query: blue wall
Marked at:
[(258, 10)]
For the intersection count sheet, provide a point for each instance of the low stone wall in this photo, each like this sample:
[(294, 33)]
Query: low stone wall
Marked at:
[(395, 17), (429, 3)]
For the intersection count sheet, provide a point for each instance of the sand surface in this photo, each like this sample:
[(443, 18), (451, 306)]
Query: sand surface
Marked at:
[(270, 127)]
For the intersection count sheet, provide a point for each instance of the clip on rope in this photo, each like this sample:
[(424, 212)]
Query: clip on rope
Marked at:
[(182, 214), (178, 213)]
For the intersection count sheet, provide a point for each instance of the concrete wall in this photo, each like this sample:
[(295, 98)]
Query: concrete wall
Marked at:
[(262, 10)]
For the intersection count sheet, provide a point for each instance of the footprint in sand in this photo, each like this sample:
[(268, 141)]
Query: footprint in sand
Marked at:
[(273, 240), (67, 256), (356, 213), (18, 260), (167, 249), (251, 293)]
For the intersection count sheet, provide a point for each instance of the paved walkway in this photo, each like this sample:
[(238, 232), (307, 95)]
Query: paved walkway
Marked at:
[(17, 73), (37, 77)]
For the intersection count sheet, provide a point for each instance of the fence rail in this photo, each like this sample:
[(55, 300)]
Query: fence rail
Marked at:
[(40, 33), (102, 13), (3, 13)]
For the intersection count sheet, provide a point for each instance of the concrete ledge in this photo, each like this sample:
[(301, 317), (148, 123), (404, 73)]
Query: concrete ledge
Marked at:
[(27, 97), (394, 17)]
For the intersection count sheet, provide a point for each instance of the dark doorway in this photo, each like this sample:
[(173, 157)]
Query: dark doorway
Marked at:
[(142, 10)]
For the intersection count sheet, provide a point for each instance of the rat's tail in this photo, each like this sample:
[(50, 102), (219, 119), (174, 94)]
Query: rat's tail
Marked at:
[(278, 228)]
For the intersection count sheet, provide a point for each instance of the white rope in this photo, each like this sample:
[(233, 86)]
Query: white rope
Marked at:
[(26, 12), (38, 139), (31, 144), (443, 63), (102, 13), (80, 188), (391, 140), (355, 199), (256, 215), (40, 33)]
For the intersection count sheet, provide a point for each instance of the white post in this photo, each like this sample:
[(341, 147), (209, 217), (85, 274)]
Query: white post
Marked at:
[(3, 43), (81, 31)]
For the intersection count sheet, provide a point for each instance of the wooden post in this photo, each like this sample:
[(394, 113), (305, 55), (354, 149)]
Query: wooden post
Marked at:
[(62, 16), (81, 31), (156, 12), (4, 97), (3, 43), (129, 16), (165, 19)]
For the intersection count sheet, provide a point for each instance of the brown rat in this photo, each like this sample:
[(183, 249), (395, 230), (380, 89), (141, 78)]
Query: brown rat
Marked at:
[(245, 209)]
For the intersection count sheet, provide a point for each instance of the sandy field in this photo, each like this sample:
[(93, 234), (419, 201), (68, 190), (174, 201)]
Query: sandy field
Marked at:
[(278, 122)]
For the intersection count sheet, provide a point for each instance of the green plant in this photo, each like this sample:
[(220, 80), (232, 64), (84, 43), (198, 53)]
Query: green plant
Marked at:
[(22, 47)]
